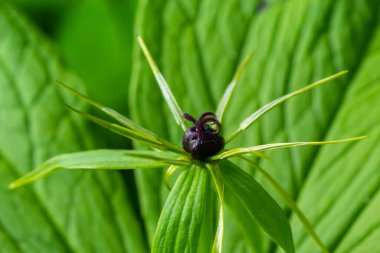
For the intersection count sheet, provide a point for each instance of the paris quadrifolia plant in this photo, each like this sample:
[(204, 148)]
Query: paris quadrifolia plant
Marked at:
[(202, 163)]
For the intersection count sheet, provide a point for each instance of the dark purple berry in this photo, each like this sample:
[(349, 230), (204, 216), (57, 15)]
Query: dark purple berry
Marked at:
[(201, 140)]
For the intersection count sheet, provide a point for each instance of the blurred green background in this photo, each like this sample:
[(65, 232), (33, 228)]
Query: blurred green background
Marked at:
[(91, 45)]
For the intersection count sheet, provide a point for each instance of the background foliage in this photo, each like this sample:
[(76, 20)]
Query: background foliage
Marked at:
[(198, 45)]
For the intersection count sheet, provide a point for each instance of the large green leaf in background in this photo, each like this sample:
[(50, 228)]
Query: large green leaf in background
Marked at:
[(69, 212), (198, 45)]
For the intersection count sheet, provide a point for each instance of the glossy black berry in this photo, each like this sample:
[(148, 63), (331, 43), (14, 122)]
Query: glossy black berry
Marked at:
[(201, 140)]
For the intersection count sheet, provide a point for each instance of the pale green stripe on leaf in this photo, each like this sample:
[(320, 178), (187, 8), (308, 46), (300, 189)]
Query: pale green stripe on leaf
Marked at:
[(246, 223), (266, 108), (231, 87), (160, 156), (91, 160), (258, 203), (151, 141), (109, 111), (166, 92), (218, 181), (271, 146), (291, 204), (179, 226)]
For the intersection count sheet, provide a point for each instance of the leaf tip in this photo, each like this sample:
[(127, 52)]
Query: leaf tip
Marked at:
[(149, 57), (341, 73), (243, 65), (358, 138), (15, 184)]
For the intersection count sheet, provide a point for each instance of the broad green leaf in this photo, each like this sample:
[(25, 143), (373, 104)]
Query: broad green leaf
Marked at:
[(209, 222), (183, 67), (24, 216), (105, 159), (258, 204), (289, 202), (238, 218), (68, 212), (151, 116), (349, 205), (179, 226), (295, 43)]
